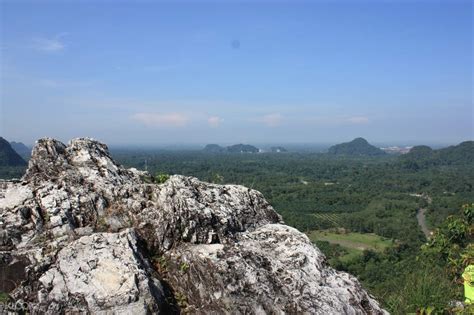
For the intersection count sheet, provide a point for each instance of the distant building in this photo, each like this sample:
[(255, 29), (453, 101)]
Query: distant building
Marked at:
[(397, 150), (278, 149)]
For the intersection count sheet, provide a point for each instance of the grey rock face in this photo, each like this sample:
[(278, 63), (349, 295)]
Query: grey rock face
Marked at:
[(94, 237), (102, 271)]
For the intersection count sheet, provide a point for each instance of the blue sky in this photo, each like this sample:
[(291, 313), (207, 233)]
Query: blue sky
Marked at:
[(148, 72)]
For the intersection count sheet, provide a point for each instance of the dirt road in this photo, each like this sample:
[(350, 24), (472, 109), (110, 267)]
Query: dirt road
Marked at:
[(420, 215)]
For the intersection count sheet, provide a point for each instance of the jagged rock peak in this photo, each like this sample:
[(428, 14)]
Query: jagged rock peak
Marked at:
[(80, 233), (84, 157)]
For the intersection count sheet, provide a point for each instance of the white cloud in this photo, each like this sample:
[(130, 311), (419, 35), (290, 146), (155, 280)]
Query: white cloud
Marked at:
[(272, 120), (214, 121), (54, 44), (159, 120)]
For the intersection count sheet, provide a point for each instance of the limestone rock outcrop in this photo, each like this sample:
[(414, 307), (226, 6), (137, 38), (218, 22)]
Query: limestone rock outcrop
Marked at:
[(80, 233), (101, 271)]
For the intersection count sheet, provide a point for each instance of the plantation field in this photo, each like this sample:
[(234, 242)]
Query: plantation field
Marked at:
[(328, 218)]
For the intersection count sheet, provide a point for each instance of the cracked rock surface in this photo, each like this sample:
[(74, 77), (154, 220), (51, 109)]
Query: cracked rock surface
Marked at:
[(101, 271), (81, 234)]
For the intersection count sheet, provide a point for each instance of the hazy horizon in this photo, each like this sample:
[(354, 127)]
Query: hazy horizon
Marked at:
[(151, 74), (291, 146)]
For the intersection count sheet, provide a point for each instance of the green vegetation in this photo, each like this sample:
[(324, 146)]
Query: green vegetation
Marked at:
[(12, 164), (4, 297), (184, 267), (341, 246), (236, 148), (161, 264), (352, 240), (336, 253), (214, 148), (328, 219), (367, 196), (181, 300), (357, 147), (406, 277), (278, 149), (161, 178), (423, 157), (242, 148), (452, 244), (21, 149), (410, 278), (9, 172), (8, 156)]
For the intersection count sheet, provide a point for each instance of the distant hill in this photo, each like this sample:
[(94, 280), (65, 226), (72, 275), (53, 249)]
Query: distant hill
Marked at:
[(8, 156), (357, 147), (242, 148), (214, 148), (419, 152), (462, 153), (423, 156), (21, 149), (278, 149), (236, 148)]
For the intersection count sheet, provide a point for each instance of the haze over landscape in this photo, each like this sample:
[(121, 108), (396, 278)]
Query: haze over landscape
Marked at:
[(236, 157), (264, 72)]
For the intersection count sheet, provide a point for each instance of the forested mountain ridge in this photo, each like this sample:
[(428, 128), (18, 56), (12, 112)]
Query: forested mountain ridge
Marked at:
[(242, 148), (423, 156), (356, 147), (214, 148), (236, 148), (21, 149), (8, 156)]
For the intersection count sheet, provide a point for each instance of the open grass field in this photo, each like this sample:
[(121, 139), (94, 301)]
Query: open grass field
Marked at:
[(353, 242)]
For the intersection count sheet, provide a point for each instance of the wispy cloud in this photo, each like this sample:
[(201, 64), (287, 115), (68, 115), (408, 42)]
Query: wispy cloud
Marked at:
[(62, 83), (49, 45), (161, 120), (272, 120), (214, 121)]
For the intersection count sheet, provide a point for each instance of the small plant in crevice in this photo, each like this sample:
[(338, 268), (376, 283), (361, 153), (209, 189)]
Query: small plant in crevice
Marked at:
[(46, 216), (42, 238), (161, 264), (181, 300), (101, 224), (184, 267), (4, 297), (147, 179), (161, 178)]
